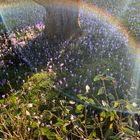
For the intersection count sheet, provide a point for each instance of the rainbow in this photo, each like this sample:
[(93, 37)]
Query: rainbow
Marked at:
[(112, 20), (115, 22), (105, 16)]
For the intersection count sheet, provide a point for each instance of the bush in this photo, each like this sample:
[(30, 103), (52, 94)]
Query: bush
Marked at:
[(40, 110)]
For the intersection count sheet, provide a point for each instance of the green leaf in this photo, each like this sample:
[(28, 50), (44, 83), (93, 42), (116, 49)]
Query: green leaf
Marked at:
[(2, 101), (48, 133), (60, 122), (108, 133), (101, 91), (129, 107), (58, 137), (110, 96), (91, 101), (103, 114), (128, 131), (109, 78), (92, 134), (81, 97), (116, 137), (90, 126), (116, 104), (66, 111), (64, 129), (34, 125), (81, 116), (13, 99), (112, 116), (47, 115), (51, 135), (79, 108), (36, 133), (56, 108), (98, 77)]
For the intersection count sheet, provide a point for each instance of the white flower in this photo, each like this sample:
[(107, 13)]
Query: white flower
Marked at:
[(72, 102), (27, 113), (72, 117), (76, 126), (39, 122), (87, 88), (36, 117), (50, 66), (3, 96), (29, 129), (60, 82), (30, 105), (134, 104), (50, 70), (104, 103), (62, 64), (136, 123)]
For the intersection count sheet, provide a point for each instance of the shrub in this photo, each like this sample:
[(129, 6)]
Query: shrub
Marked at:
[(40, 110)]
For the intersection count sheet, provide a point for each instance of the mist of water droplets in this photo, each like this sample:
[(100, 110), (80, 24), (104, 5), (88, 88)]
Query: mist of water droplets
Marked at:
[(98, 48)]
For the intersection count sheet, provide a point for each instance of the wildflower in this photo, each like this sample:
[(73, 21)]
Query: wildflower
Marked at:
[(27, 113), (72, 117), (50, 70), (29, 129), (36, 117), (28, 35), (76, 126), (62, 64), (30, 105), (40, 26), (39, 122), (104, 103), (3, 96), (72, 102), (14, 41), (29, 88), (60, 82), (134, 104), (53, 101), (22, 43), (87, 88), (136, 123)]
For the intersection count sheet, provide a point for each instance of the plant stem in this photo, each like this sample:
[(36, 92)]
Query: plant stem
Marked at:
[(105, 92)]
